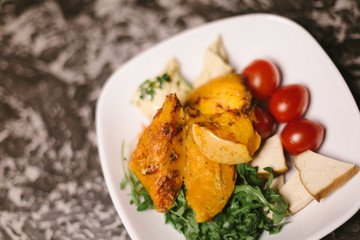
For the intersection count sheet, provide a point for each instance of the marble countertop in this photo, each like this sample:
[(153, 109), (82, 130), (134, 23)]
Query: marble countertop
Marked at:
[(56, 55)]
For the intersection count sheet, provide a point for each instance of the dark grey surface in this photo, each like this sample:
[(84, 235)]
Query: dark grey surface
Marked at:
[(55, 57)]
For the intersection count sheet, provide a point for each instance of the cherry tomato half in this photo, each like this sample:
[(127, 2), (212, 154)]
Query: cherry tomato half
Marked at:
[(289, 102), (264, 123), (300, 135), (262, 77)]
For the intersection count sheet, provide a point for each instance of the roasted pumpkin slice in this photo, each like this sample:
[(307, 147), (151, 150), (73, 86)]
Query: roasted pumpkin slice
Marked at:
[(218, 149), (227, 137), (208, 184), (159, 158), (225, 93)]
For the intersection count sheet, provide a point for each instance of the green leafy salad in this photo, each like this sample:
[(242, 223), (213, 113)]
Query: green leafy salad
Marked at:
[(245, 216)]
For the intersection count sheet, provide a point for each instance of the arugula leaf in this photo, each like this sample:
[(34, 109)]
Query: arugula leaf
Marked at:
[(182, 217), (139, 196), (278, 203), (244, 217)]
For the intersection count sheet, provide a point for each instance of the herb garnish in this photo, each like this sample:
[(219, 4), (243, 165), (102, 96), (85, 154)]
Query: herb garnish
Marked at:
[(245, 216), (147, 89)]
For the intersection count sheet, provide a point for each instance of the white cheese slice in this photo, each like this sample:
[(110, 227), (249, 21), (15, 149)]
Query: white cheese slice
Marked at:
[(278, 182), (215, 63), (270, 154), (321, 175), (295, 193)]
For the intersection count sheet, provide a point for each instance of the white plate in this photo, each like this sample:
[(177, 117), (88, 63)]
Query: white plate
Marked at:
[(301, 60)]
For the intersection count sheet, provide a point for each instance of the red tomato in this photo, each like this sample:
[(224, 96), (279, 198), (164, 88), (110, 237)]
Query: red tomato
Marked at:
[(264, 123), (262, 77), (300, 135), (289, 102)]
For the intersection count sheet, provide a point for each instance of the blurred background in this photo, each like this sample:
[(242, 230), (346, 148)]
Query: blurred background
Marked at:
[(55, 57)]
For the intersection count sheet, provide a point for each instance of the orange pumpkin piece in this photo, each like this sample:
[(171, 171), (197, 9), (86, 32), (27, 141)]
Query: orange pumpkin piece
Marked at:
[(230, 125), (208, 184), (224, 93), (159, 158)]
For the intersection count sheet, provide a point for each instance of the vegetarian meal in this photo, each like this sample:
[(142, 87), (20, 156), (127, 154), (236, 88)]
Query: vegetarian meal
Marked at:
[(211, 159)]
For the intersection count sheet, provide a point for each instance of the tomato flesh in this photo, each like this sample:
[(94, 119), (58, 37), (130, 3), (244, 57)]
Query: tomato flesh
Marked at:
[(262, 77), (300, 135), (289, 102), (264, 123)]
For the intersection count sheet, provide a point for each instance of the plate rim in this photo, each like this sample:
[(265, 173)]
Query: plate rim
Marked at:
[(104, 166)]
